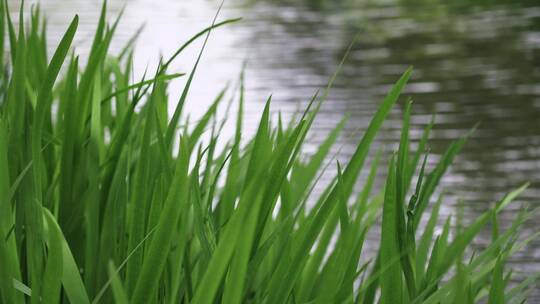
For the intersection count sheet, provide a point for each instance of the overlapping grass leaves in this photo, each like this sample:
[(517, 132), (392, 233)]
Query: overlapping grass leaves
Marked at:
[(96, 206)]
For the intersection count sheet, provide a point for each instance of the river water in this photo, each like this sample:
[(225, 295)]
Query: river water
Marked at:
[(472, 64)]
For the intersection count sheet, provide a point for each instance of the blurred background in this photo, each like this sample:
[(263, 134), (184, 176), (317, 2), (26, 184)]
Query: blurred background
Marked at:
[(474, 62)]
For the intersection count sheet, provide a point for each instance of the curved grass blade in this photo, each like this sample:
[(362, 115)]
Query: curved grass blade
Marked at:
[(71, 278)]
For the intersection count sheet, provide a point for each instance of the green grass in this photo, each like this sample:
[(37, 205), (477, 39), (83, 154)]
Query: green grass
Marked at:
[(97, 208)]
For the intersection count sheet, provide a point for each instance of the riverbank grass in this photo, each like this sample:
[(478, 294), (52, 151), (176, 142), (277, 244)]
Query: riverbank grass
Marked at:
[(105, 197)]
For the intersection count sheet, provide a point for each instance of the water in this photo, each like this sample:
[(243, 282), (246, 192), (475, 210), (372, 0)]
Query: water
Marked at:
[(471, 64)]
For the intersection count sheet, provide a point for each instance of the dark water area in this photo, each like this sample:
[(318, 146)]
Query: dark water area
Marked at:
[(474, 62)]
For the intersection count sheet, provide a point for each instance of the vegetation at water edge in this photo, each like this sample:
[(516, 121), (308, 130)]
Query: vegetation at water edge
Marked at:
[(106, 198)]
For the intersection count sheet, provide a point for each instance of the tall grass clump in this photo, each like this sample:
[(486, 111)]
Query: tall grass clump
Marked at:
[(105, 198)]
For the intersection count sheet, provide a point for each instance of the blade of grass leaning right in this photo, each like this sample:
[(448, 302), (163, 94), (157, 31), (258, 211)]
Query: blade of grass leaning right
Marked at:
[(120, 296), (52, 278), (447, 256), (209, 284), (303, 174), (71, 277), (286, 275), (458, 245), (156, 257), (173, 124), (433, 179)]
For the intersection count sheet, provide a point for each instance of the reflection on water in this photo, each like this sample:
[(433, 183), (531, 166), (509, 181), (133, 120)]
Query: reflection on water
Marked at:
[(472, 64)]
